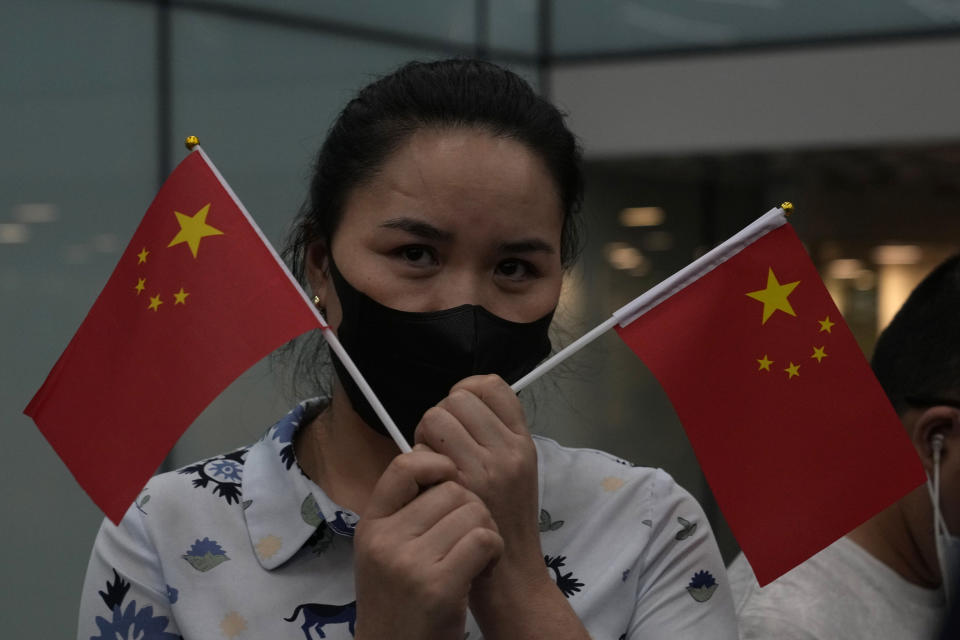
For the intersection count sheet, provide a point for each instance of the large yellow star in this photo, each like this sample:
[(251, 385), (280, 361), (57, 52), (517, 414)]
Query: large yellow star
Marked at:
[(819, 353), (180, 297), (792, 370), (193, 228), (764, 363), (774, 297)]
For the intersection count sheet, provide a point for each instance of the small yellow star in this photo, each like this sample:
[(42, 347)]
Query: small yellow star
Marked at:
[(792, 370), (193, 229), (142, 256), (764, 363), (155, 302), (819, 353), (180, 297), (141, 285), (774, 297), (825, 324)]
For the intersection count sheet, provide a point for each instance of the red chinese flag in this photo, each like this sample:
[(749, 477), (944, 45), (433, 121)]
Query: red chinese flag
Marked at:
[(197, 298), (792, 430)]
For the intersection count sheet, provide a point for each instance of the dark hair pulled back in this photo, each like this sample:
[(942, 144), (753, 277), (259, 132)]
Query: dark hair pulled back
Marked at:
[(444, 94)]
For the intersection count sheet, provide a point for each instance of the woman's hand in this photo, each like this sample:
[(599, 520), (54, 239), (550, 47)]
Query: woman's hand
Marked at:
[(421, 543), (481, 427)]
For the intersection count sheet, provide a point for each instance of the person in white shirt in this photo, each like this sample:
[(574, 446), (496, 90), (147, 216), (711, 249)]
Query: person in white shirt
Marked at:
[(441, 220), (892, 576)]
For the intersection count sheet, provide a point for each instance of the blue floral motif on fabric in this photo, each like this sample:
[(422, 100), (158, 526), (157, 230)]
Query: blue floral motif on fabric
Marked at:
[(129, 621), (702, 585), (134, 623), (283, 433), (205, 554), (172, 594), (343, 523), (223, 472)]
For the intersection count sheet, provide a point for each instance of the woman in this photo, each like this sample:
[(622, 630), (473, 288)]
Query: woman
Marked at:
[(441, 218)]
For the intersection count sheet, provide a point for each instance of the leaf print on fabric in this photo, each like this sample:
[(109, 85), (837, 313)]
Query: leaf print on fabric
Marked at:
[(310, 511), (142, 501), (343, 523), (647, 523), (116, 591), (567, 583), (133, 623), (205, 554), (232, 624), (223, 472), (172, 594), (688, 528), (546, 523), (702, 586)]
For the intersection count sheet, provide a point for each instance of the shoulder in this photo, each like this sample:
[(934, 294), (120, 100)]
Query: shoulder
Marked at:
[(810, 600), (593, 478)]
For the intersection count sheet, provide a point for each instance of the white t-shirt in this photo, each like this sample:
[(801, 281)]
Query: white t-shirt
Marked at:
[(842, 592), (244, 545)]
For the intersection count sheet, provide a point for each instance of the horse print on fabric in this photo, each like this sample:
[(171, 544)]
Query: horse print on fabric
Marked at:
[(317, 615)]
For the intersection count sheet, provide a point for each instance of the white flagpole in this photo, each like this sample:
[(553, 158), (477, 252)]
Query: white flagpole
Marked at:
[(652, 297), (365, 389), (331, 338)]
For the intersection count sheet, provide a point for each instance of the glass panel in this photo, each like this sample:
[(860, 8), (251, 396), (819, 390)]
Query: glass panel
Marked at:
[(451, 20), (78, 104), (513, 25), (627, 25), (261, 98)]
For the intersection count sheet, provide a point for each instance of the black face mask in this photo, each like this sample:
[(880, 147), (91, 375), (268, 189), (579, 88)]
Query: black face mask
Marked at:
[(412, 360)]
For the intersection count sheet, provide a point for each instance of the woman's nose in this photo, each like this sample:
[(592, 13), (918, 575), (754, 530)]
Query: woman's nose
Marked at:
[(459, 287)]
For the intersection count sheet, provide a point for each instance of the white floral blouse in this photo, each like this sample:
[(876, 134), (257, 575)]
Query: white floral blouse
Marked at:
[(244, 545)]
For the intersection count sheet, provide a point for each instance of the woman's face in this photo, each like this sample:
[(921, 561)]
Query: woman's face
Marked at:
[(455, 216)]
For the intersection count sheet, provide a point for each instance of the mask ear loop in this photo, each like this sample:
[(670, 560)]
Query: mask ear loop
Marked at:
[(940, 530)]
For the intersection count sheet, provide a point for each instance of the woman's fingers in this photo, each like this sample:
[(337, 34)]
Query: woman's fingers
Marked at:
[(405, 477)]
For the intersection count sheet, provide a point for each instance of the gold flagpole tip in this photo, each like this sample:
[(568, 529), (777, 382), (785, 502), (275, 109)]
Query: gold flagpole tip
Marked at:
[(787, 207), (191, 142)]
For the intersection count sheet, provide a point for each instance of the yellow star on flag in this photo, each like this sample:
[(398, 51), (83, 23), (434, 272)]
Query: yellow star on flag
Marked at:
[(819, 353), (141, 285), (180, 297), (142, 256), (155, 302), (193, 229), (792, 370), (774, 297), (825, 324), (764, 363)]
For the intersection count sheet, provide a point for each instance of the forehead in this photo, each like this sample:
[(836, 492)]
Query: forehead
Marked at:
[(461, 177)]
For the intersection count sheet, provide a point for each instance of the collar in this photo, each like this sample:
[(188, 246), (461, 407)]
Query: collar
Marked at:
[(283, 507)]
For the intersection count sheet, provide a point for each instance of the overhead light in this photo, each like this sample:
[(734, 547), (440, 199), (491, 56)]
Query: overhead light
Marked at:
[(642, 216), (622, 256), (844, 268), (897, 254), (13, 233), (35, 212)]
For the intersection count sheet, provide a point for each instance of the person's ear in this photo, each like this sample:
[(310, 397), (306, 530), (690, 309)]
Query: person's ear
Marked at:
[(318, 272), (942, 421)]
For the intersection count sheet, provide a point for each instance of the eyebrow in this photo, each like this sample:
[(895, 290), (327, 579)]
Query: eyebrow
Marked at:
[(418, 228), (429, 232), (527, 245)]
